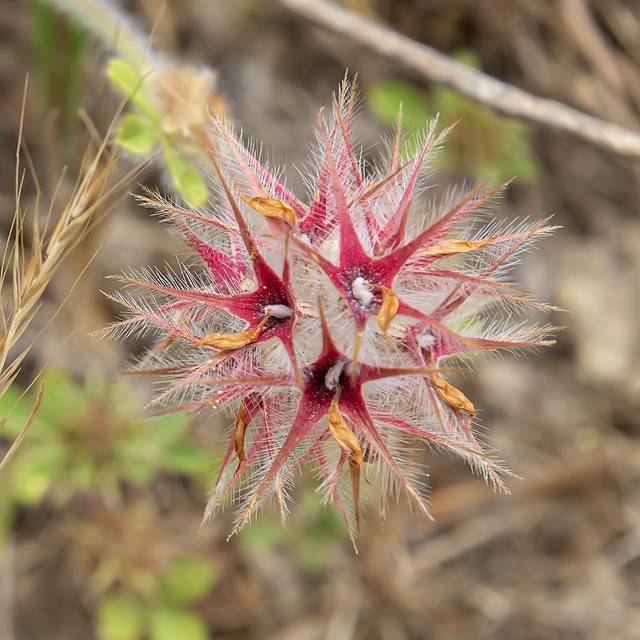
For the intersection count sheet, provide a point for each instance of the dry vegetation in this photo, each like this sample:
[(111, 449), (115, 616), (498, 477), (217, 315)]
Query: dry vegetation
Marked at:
[(558, 559)]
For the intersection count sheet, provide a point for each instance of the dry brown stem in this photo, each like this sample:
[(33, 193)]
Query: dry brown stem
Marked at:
[(498, 96)]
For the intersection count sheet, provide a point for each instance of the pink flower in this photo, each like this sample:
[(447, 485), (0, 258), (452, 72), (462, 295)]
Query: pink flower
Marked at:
[(328, 330)]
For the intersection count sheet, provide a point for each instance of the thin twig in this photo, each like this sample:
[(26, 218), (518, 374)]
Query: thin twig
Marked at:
[(498, 96)]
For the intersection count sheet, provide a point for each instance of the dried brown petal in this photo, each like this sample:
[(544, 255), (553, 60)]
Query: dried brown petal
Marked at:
[(388, 309), (183, 97), (452, 246), (240, 430), (272, 208), (232, 340), (165, 344), (343, 435), (369, 454), (452, 396)]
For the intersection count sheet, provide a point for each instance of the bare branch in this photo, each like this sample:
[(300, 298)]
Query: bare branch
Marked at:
[(494, 94)]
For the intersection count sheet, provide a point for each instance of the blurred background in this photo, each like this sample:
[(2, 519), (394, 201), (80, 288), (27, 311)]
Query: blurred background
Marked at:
[(100, 509)]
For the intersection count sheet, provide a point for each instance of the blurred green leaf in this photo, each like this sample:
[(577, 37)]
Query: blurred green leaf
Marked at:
[(264, 534), (63, 400), (110, 486), (43, 18), (173, 624), (59, 46), (83, 473), (120, 618), (34, 472), (187, 458), (188, 579), (385, 97), (11, 403), (129, 83), (138, 454), (481, 144), (138, 472), (170, 429), (91, 437), (137, 135), (311, 555), (186, 178)]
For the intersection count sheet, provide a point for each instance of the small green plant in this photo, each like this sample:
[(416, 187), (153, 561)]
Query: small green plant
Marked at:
[(123, 616), (167, 106), (93, 438), (170, 104), (89, 440), (143, 582), (481, 145)]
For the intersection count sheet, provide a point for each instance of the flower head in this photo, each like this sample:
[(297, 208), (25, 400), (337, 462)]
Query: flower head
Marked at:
[(329, 329)]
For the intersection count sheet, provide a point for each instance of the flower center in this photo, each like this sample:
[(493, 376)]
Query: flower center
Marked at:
[(280, 311), (427, 345), (426, 341), (332, 377), (362, 292)]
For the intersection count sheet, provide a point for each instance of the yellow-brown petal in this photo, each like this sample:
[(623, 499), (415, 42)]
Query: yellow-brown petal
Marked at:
[(452, 246), (272, 208), (240, 430), (232, 340), (388, 309), (452, 396), (369, 454), (165, 344), (343, 435)]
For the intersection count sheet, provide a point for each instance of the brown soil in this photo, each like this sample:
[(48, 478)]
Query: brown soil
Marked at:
[(559, 559)]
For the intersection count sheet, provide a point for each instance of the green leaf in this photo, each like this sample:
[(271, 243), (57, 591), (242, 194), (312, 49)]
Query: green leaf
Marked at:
[(188, 579), (137, 135), (108, 484), (171, 624), (517, 158), (481, 144), (138, 472), (312, 555), (123, 77), (16, 410), (384, 99), (186, 178), (169, 429), (187, 458), (63, 399), (129, 83), (120, 618), (82, 473), (35, 472), (264, 534)]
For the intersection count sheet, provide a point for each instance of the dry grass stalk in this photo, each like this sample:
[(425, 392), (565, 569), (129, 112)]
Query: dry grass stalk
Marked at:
[(26, 271)]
